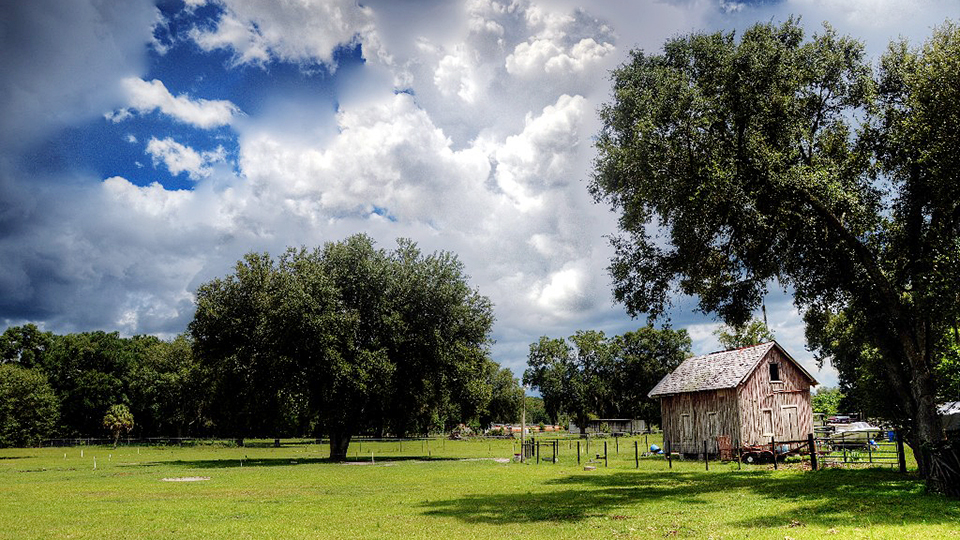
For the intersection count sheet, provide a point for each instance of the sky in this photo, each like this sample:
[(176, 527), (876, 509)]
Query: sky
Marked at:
[(146, 146)]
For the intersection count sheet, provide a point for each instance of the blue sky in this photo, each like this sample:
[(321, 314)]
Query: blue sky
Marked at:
[(146, 146)]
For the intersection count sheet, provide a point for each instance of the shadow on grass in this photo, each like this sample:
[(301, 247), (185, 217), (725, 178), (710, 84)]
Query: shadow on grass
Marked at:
[(827, 498), (291, 462)]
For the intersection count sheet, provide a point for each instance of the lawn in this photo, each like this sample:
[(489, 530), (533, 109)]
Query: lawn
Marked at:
[(461, 491)]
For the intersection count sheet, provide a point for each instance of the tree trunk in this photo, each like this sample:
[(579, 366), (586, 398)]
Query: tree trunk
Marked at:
[(937, 459), (339, 442), (276, 443), (239, 441)]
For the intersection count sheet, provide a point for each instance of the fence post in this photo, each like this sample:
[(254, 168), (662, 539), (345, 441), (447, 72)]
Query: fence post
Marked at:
[(578, 452), (538, 452), (669, 457), (636, 452), (773, 447), (813, 451), (706, 458), (901, 458), (604, 453), (617, 441)]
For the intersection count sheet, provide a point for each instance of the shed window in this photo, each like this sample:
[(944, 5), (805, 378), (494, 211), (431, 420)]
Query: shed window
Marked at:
[(774, 372)]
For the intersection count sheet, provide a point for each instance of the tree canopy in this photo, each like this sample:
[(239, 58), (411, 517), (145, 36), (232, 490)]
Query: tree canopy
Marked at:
[(739, 162), (29, 409), (754, 332), (353, 336), (608, 377)]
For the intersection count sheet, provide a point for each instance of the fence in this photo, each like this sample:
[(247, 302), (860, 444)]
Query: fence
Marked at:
[(861, 448)]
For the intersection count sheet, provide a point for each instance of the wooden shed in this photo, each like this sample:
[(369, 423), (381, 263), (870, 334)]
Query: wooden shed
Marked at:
[(747, 394)]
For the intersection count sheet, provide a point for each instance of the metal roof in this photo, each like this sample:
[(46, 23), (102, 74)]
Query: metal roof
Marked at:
[(718, 370)]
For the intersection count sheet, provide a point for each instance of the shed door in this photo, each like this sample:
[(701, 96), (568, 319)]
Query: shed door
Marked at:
[(713, 429), (686, 432), (791, 425)]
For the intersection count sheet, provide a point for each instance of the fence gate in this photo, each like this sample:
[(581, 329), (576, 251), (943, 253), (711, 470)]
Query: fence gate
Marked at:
[(860, 448)]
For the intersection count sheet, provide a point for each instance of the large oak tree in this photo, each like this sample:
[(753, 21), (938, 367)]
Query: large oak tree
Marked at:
[(357, 338), (738, 162)]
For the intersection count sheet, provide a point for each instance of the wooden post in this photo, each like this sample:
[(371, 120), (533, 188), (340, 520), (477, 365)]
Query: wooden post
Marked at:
[(617, 441), (869, 450), (773, 446), (901, 458), (538, 452), (578, 452), (636, 452), (669, 457), (813, 451), (706, 458), (604, 453)]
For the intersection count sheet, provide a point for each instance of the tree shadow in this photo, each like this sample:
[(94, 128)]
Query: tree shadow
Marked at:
[(826, 498), (291, 462)]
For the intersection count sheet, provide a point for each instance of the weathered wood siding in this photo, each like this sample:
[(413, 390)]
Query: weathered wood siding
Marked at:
[(690, 419), (787, 403)]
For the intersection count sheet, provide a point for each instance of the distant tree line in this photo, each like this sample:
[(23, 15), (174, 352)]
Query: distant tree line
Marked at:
[(63, 385), (344, 340), (592, 375)]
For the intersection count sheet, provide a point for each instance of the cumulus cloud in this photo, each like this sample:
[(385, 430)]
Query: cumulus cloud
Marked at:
[(306, 31), (483, 154), (148, 96), (179, 158)]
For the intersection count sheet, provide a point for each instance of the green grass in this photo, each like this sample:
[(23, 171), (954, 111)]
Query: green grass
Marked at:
[(293, 492)]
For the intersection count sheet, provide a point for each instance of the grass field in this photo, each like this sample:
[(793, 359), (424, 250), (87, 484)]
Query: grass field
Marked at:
[(461, 491)]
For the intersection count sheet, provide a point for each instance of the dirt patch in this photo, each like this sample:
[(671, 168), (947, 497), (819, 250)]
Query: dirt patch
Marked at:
[(186, 479)]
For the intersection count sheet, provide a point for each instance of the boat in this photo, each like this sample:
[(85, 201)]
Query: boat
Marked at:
[(855, 435)]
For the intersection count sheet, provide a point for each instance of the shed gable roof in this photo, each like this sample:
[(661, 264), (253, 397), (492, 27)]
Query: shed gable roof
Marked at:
[(719, 370)]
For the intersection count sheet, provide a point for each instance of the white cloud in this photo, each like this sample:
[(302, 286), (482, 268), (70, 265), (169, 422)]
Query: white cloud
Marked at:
[(487, 158), (179, 158), (288, 30), (145, 97)]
